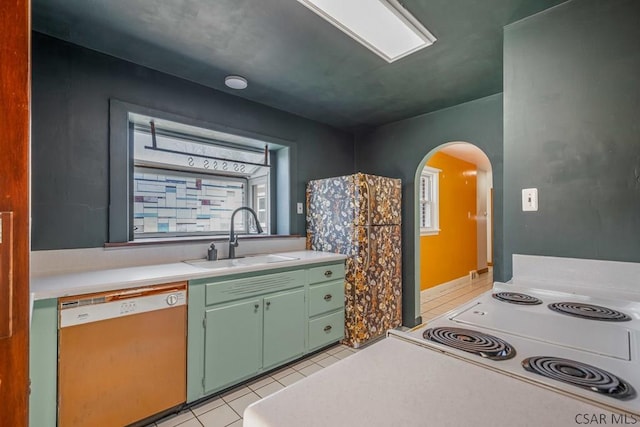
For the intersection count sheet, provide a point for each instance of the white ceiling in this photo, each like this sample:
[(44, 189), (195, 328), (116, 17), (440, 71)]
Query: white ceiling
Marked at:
[(469, 153)]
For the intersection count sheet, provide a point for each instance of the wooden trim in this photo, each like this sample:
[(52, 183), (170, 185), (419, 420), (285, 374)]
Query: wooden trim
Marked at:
[(483, 270), (435, 291), (14, 197)]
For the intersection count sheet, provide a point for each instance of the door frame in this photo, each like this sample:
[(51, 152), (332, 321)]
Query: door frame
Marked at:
[(14, 198), (416, 220)]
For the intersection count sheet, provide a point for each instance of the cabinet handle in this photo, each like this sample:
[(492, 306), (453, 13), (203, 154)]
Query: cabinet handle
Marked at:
[(257, 306), (327, 328), (268, 303), (328, 273), (327, 297)]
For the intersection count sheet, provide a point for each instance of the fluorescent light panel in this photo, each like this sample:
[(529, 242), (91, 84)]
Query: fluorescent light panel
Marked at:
[(384, 26)]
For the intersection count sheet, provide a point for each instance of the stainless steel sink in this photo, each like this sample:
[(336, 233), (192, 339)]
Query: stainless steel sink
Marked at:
[(264, 259), (240, 262), (221, 263)]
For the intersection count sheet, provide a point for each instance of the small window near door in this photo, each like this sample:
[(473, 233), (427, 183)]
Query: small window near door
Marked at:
[(429, 178)]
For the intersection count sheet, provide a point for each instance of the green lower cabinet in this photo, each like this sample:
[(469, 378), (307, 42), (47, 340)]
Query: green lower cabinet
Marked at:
[(43, 364), (242, 325), (245, 337), (233, 343), (326, 329), (284, 320)]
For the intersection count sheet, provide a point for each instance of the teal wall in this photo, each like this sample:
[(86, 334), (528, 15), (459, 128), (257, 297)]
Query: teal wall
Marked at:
[(571, 129), (71, 88), (397, 150)]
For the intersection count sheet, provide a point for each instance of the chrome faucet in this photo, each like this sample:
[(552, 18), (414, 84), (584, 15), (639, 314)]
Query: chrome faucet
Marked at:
[(233, 238)]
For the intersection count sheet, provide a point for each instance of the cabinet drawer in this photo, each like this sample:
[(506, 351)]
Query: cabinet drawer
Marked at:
[(246, 287), (326, 329), (326, 273), (326, 297)]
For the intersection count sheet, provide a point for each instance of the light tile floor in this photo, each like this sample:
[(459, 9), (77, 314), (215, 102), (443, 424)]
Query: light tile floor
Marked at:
[(453, 297), (226, 409)]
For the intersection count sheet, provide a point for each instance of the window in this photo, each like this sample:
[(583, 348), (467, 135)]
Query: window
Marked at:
[(188, 180), (429, 201), (259, 190), (185, 150)]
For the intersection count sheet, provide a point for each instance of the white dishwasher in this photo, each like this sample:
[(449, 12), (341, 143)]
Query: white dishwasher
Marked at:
[(122, 355)]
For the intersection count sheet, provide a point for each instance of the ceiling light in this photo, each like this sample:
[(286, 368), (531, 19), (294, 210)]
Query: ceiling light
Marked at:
[(384, 26), (236, 82)]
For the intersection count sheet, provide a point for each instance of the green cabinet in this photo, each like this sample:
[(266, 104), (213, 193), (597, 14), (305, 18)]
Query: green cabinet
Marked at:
[(326, 305), (325, 329), (244, 324), (43, 363), (246, 336), (233, 339), (284, 331)]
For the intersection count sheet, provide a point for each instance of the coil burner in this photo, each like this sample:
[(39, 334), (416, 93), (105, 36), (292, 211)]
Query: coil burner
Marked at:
[(516, 298), (471, 341), (580, 375), (588, 311)]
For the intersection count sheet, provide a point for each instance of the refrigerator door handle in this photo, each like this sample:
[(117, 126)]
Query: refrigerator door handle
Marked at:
[(368, 263), (366, 184)]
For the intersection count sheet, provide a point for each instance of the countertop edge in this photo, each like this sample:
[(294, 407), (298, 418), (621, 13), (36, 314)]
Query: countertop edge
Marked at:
[(60, 285)]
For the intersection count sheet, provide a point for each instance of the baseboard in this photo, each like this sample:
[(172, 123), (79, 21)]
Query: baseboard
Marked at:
[(438, 289)]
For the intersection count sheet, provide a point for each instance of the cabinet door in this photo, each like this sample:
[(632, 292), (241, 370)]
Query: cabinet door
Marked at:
[(233, 343), (284, 327)]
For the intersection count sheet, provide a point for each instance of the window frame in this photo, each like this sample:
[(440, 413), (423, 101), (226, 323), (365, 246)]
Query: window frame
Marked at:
[(283, 177), (251, 184), (433, 174)]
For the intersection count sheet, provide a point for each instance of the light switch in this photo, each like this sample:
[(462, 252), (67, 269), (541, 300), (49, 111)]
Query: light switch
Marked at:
[(529, 199), (300, 211)]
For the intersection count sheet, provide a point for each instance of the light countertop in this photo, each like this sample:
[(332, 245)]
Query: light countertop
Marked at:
[(395, 383), (59, 285)]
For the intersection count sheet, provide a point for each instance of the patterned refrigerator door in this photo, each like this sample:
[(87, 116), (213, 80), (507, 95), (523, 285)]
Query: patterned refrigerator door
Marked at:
[(330, 215), (374, 284), (378, 200)]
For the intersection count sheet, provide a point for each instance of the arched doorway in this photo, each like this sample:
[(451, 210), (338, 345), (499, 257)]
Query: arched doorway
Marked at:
[(453, 229)]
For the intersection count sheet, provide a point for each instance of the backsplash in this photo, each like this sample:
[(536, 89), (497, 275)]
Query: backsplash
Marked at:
[(600, 277)]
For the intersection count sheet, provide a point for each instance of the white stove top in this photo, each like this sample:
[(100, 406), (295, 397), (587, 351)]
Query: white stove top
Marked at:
[(536, 330)]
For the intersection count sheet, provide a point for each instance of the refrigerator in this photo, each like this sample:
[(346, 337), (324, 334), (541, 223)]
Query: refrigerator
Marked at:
[(359, 216)]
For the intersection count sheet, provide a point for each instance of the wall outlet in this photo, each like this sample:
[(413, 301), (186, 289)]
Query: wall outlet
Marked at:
[(300, 208), (529, 199)]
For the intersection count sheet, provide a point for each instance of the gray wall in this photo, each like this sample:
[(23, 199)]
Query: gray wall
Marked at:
[(572, 109), (71, 89), (397, 150)]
